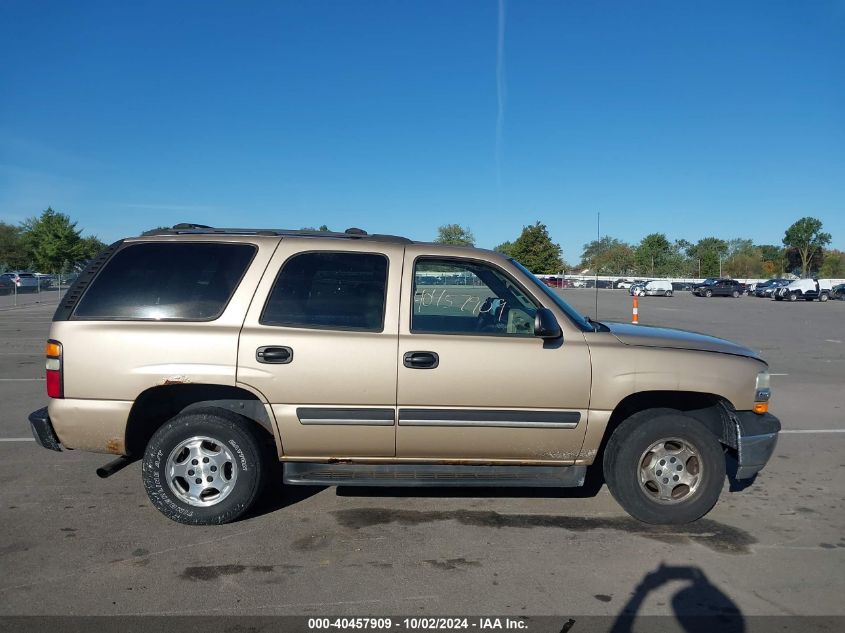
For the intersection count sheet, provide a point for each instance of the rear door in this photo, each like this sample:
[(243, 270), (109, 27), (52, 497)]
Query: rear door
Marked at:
[(319, 342)]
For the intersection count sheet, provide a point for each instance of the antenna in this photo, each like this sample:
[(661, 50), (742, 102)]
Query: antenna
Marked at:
[(596, 268)]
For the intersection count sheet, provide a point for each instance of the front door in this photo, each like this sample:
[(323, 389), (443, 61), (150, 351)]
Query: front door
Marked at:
[(322, 347), (474, 383)]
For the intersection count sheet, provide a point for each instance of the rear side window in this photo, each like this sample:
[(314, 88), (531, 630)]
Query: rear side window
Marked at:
[(166, 281), (343, 291)]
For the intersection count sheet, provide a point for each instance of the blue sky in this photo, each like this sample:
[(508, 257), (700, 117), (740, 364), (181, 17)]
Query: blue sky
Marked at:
[(690, 118)]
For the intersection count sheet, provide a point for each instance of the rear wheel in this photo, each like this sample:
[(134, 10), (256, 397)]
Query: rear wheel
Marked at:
[(735, 294), (823, 297), (204, 467), (708, 293), (668, 293), (793, 296), (664, 467)]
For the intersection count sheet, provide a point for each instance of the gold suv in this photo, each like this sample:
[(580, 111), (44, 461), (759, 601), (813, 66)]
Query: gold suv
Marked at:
[(374, 360)]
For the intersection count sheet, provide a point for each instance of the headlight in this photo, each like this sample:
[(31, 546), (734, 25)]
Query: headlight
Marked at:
[(762, 392)]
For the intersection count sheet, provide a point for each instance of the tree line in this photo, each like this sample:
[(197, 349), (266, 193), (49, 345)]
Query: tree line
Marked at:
[(803, 251), (52, 243), (49, 243)]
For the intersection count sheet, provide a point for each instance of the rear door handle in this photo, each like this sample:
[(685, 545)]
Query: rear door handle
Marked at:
[(274, 354), (421, 360)]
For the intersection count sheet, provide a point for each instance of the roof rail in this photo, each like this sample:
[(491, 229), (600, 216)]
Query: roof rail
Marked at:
[(187, 228)]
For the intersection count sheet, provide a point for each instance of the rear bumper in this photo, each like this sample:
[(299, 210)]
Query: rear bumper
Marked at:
[(42, 430), (757, 436)]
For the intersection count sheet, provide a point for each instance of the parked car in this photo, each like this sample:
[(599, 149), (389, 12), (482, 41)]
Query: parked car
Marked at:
[(579, 283), (838, 292), (681, 285), (658, 288), (637, 288), (25, 282), (805, 289), (766, 288), (7, 286), (624, 283), (228, 338), (719, 288)]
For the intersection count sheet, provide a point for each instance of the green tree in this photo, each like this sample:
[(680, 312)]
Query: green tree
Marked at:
[(91, 246), (608, 255), (655, 256), (12, 249), (743, 259), (707, 255), (455, 234), (807, 237), (323, 228), (774, 260), (505, 248), (535, 250), (834, 265), (53, 242)]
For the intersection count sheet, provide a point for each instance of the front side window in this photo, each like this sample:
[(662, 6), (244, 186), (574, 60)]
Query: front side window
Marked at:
[(327, 290), (466, 297), (170, 281)]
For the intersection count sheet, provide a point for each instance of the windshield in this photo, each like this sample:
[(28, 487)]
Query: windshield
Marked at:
[(573, 315)]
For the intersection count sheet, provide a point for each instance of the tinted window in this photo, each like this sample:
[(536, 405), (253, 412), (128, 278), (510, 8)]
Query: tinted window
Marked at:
[(184, 281), (329, 290), (464, 297)]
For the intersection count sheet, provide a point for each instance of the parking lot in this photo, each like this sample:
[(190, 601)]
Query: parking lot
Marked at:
[(75, 544)]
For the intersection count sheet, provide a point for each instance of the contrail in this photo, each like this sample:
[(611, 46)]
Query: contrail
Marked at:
[(501, 90)]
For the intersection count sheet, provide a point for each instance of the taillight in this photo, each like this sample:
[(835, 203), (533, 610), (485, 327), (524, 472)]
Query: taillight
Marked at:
[(55, 384)]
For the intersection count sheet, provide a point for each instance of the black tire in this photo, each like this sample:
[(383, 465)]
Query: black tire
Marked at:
[(823, 298), (668, 293), (708, 293), (793, 296), (626, 449), (242, 476), (735, 294)]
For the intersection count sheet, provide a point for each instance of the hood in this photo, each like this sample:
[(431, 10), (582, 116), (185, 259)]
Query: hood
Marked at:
[(647, 336)]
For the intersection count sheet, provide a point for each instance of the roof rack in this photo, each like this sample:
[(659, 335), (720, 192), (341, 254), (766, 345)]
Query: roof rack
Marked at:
[(351, 233)]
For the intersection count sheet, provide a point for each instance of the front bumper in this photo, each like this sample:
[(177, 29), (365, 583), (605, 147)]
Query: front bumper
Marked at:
[(756, 438), (42, 430)]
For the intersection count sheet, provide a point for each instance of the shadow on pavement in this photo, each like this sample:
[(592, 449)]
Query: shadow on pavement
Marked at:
[(699, 607)]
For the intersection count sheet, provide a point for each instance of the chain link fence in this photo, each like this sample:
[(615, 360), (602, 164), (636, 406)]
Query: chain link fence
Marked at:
[(48, 289)]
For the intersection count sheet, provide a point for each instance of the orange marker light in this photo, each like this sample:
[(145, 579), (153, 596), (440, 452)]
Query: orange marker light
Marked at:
[(761, 407), (53, 349)]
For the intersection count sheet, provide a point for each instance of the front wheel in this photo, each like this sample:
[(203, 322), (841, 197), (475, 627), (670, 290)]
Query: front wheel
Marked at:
[(668, 293), (708, 293), (664, 467), (735, 294), (823, 298), (793, 296), (204, 467)]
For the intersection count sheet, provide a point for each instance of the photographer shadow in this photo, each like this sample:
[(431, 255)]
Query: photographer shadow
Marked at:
[(699, 607)]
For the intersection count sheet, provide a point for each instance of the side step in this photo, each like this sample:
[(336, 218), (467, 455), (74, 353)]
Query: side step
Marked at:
[(418, 475)]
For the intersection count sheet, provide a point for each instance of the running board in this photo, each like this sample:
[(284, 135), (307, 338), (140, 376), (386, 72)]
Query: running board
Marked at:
[(440, 475)]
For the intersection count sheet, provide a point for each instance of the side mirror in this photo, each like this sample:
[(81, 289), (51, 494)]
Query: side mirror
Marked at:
[(545, 324)]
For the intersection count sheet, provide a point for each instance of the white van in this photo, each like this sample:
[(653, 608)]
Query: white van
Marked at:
[(658, 288)]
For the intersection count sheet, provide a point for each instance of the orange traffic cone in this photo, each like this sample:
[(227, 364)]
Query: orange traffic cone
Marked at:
[(635, 316)]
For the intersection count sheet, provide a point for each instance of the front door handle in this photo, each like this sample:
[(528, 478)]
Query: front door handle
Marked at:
[(274, 354), (421, 360)]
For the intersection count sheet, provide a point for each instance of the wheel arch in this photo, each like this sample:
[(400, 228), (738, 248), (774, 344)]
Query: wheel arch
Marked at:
[(709, 409), (156, 405)]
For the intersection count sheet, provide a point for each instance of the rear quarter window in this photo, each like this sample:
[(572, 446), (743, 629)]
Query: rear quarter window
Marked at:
[(166, 281)]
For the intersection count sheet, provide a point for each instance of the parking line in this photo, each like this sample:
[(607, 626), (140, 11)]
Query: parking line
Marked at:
[(17, 439), (778, 374), (20, 379), (812, 430)]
